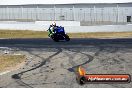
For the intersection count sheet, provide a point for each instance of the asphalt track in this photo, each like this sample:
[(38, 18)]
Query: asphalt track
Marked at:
[(41, 42), (52, 64)]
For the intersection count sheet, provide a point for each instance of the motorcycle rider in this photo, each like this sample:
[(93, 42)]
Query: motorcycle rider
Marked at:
[(52, 29), (54, 26)]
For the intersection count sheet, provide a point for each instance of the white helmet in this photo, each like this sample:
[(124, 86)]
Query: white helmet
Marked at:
[(54, 24)]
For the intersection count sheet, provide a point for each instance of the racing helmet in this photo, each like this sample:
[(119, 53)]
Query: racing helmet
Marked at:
[(54, 24)]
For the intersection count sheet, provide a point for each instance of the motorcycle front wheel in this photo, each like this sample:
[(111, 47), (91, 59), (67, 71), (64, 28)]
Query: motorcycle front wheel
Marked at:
[(67, 37)]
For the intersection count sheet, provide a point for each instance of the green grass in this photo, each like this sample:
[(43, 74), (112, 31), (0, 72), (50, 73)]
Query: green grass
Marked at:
[(10, 61), (44, 34), (22, 34), (102, 35)]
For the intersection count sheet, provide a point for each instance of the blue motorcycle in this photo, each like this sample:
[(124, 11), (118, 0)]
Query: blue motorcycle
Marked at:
[(59, 34)]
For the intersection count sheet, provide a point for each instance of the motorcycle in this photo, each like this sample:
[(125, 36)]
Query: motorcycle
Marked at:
[(59, 34)]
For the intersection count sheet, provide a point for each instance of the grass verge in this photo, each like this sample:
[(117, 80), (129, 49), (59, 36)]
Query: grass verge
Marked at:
[(8, 62), (23, 34), (44, 34), (102, 35)]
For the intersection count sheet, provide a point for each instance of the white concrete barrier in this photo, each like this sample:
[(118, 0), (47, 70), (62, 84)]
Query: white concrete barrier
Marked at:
[(103, 28), (70, 28), (64, 23)]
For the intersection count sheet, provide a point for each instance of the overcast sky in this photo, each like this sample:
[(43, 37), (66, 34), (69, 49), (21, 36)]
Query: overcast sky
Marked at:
[(15, 2)]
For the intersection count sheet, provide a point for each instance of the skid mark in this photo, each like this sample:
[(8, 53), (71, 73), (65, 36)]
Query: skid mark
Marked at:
[(17, 77)]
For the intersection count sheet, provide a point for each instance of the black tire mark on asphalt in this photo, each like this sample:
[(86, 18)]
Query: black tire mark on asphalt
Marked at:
[(17, 77), (88, 41), (74, 65), (90, 58)]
